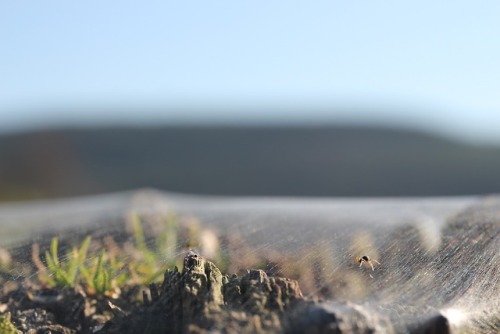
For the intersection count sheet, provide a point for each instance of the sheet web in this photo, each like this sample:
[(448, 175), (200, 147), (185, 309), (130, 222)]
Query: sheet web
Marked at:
[(438, 257)]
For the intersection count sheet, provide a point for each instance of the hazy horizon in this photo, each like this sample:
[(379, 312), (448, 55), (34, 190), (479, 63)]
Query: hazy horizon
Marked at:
[(432, 66), (297, 116)]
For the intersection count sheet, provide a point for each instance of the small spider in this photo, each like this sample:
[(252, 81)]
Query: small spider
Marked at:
[(366, 259)]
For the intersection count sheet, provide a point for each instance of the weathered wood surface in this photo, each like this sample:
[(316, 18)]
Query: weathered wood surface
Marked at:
[(439, 271)]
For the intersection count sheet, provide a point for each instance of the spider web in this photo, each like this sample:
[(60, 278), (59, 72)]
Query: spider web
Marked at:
[(438, 256)]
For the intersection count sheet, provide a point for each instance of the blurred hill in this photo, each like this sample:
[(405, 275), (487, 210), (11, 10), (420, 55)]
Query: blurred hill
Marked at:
[(229, 160)]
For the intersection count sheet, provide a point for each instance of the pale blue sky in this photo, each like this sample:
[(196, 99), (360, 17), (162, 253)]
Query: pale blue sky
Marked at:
[(433, 64)]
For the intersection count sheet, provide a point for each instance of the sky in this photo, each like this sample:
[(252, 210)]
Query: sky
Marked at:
[(434, 65)]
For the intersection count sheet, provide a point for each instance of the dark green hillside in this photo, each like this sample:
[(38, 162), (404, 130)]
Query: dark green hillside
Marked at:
[(308, 161)]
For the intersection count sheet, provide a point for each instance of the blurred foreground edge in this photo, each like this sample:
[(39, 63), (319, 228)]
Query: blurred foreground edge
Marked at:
[(438, 257)]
